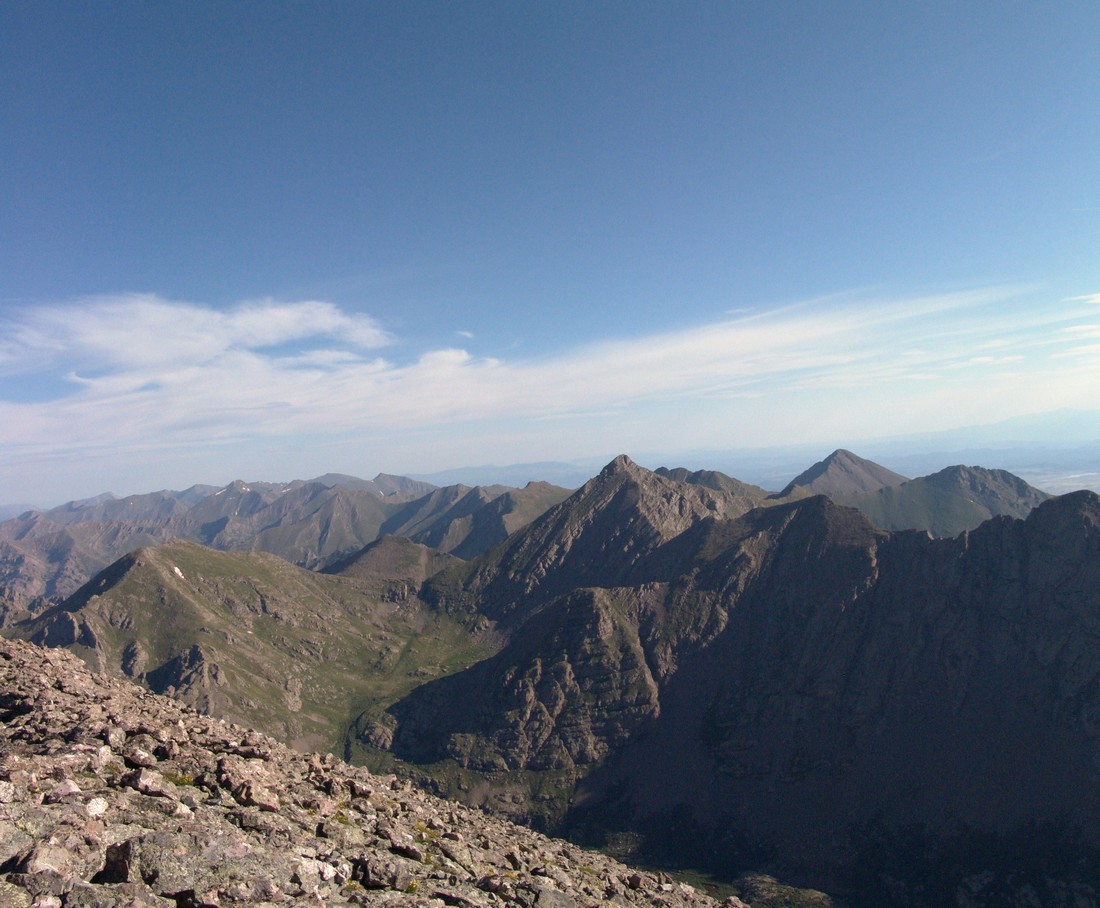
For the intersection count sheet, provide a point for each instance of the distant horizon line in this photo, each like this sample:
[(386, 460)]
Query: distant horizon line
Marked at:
[(767, 466)]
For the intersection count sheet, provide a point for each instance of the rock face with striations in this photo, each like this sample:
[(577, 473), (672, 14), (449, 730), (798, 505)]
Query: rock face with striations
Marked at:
[(113, 796), (565, 693)]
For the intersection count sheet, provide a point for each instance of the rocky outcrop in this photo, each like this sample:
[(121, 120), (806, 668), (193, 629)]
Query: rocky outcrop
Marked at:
[(113, 796)]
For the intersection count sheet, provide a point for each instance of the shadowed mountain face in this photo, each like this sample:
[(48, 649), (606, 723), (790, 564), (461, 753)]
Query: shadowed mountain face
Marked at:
[(863, 678), (783, 678)]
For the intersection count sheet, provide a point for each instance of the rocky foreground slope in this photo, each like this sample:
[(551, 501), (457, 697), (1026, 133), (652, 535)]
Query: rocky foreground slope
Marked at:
[(113, 796)]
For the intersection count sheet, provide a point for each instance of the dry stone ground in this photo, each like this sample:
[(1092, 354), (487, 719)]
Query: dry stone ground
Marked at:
[(111, 796)]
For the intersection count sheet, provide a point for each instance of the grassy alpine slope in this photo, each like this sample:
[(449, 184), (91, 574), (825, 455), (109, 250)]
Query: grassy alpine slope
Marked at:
[(250, 637)]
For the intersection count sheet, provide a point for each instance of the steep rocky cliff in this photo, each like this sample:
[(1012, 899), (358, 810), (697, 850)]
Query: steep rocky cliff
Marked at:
[(894, 679), (600, 536)]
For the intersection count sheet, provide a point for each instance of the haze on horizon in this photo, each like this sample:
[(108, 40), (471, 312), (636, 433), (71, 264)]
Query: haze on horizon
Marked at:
[(273, 242)]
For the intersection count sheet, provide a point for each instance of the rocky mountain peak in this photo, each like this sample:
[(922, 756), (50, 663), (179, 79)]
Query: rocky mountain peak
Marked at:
[(620, 465), (843, 473), (1061, 519), (599, 536), (983, 481)]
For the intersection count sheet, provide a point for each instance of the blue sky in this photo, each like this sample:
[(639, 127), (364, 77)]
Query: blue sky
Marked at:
[(273, 240)]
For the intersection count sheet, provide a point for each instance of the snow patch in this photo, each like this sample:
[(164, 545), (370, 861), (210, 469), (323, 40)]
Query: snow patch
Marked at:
[(179, 573)]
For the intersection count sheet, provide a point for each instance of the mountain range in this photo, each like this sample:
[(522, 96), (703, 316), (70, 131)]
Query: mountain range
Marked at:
[(49, 554), (660, 658)]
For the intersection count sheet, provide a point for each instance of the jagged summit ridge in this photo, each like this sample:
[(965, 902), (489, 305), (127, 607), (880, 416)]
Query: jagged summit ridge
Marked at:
[(312, 523)]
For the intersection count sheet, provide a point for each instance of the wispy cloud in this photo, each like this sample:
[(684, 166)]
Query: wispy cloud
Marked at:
[(146, 332), (147, 374)]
